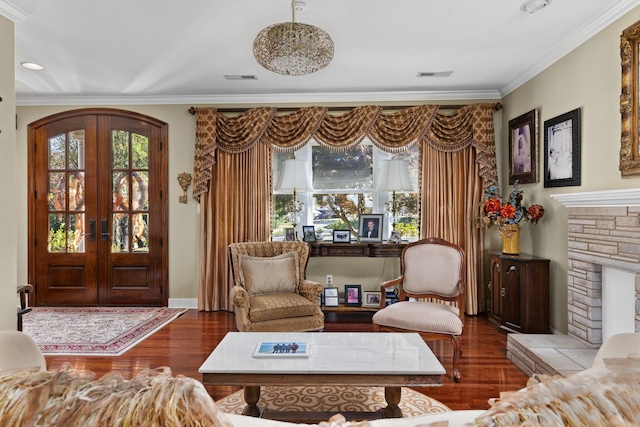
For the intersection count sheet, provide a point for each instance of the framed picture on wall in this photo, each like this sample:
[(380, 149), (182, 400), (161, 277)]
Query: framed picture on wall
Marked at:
[(523, 151), (562, 150)]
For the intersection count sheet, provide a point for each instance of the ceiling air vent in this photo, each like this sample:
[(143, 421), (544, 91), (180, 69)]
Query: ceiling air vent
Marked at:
[(435, 73), (240, 77)]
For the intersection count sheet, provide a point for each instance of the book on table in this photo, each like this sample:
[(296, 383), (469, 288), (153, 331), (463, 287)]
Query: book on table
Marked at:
[(282, 349)]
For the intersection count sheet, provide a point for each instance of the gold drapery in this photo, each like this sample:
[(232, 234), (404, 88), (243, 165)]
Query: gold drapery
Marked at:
[(463, 141)]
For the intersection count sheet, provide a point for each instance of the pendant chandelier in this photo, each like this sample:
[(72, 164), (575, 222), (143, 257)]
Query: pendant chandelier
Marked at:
[(293, 48)]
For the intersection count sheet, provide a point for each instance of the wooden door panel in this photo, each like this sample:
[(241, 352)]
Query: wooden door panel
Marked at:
[(97, 218)]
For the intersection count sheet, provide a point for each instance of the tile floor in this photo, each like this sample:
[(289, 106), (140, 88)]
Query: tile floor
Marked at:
[(549, 354)]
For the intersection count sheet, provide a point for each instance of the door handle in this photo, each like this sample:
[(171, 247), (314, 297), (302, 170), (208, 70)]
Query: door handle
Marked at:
[(92, 230), (104, 229)]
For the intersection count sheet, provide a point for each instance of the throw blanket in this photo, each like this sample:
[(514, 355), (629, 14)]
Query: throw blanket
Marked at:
[(74, 398)]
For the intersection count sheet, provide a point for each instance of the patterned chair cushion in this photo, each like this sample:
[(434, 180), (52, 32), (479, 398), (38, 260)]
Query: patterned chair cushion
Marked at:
[(442, 318), (266, 275), (278, 306)]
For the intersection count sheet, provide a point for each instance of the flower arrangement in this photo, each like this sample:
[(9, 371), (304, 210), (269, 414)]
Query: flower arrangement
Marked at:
[(497, 211)]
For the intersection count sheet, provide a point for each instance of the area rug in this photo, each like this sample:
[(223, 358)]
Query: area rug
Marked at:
[(94, 331), (332, 399)]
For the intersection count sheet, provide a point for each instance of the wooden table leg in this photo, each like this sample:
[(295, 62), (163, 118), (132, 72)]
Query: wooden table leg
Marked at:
[(251, 397), (392, 396)]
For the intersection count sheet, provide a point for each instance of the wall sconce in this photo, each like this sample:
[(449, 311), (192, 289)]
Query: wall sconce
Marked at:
[(184, 179)]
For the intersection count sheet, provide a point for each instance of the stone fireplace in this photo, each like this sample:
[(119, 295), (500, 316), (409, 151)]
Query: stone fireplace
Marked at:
[(603, 233)]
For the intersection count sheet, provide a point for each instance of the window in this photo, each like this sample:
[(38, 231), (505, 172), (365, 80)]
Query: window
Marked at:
[(344, 186)]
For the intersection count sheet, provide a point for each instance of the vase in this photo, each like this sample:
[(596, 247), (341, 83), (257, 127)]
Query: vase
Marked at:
[(510, 239)]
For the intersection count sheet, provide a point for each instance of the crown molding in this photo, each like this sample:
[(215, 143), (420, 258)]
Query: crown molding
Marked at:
[(571, 43), (243, 100), (14, 12), (607, 198)]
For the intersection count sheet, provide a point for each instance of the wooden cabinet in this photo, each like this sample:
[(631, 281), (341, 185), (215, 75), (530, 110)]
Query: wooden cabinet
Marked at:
[(519, 293), (375, 250)]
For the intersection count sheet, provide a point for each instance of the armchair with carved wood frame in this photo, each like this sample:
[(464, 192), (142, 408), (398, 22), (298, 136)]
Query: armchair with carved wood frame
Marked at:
[(431, 295), (270, 292)]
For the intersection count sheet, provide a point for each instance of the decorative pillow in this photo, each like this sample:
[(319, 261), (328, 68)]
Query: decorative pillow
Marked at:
[(268, 275)]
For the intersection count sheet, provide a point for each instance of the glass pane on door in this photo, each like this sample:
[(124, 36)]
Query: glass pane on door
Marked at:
[(66, 192)]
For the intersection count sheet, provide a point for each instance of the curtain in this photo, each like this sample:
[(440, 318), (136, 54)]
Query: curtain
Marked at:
[(235, 195)]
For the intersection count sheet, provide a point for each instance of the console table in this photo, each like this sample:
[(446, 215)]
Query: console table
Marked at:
[(375, 250)]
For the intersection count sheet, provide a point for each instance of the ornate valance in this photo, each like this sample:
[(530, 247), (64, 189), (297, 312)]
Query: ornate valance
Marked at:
[(390, 132)]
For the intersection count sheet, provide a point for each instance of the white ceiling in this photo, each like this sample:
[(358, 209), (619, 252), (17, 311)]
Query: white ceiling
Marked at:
[(167, 51)]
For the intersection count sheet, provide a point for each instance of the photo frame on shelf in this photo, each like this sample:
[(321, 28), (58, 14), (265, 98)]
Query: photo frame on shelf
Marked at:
[(341, 236), (331, 298), (371, 299), (289, 234), (308, 233), (370, 227), (352, 295), (562, 162), (523, 151)]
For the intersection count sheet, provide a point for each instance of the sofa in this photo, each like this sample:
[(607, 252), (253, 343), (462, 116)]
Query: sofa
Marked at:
[(606, 394)]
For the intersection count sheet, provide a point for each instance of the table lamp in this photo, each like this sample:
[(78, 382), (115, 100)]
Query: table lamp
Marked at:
[(394, 177), (294, 177)]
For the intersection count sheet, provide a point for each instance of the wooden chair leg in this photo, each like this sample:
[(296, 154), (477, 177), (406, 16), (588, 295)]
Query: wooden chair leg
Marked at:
[(457, 352)]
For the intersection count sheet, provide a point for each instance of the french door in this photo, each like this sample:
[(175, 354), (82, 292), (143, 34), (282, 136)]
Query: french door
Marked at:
[(97, 209)]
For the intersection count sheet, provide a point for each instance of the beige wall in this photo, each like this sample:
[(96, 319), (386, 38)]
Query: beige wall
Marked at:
[(588, 78), (9, 211)]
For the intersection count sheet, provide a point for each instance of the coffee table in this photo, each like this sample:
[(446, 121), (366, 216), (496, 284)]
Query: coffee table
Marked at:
[(392, 360)]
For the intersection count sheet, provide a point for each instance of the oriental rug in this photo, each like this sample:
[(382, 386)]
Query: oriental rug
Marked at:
[(94, 331), (332, 399)]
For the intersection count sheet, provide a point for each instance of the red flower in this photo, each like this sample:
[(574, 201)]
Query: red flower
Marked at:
[(535, 212), (493, 205), (507, 211)]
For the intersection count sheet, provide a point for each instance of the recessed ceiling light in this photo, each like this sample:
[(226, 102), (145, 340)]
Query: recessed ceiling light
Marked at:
[(32, 66), (240, 77), (434, 73), (533, 6)]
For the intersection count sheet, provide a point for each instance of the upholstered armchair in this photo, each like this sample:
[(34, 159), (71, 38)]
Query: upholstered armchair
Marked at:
[(270, 292), (431, 297)]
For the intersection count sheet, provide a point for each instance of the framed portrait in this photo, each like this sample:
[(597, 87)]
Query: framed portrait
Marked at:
[(341, 236), (562, 150), (308, 233), (352, 295), (523, 151), (289, 234), (371, 299), (331, 297), (370, 227), (630, 102)]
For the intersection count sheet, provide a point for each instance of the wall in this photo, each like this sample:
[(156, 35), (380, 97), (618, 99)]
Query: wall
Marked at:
[(587, 78), (9, 211)]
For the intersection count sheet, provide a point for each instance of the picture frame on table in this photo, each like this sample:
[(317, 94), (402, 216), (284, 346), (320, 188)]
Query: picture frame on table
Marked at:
[(308, 233), (371, 299), (341, 236), (289, 234), (562, 161), (370, 227), (523, 151), (331, 298), (352, 295)]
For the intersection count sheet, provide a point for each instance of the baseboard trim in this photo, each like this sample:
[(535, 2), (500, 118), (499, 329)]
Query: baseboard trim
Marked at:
[(183, 303)]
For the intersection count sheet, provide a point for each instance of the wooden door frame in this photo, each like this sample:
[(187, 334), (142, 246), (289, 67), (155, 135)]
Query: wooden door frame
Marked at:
[(163, 176)]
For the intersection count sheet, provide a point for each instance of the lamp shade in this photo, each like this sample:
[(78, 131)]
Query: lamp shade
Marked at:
[(394, 176), (294, 176)]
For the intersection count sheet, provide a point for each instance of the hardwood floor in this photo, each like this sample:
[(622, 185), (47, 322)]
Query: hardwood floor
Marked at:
[(187, 341)]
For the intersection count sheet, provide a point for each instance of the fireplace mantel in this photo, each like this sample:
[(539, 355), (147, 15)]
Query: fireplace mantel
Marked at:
[(608, 198)]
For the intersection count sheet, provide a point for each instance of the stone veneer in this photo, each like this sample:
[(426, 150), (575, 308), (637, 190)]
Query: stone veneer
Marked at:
[(603, 230)]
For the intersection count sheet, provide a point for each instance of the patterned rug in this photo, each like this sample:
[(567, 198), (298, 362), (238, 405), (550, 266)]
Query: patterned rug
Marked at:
[(333, 399), (94, 331)]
